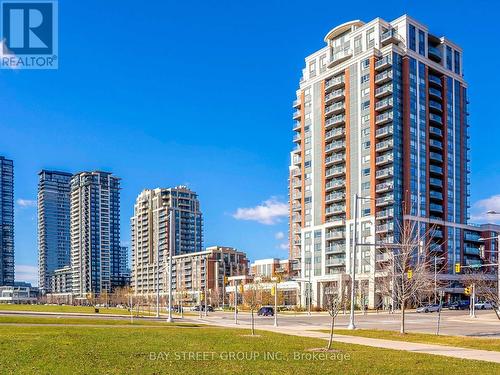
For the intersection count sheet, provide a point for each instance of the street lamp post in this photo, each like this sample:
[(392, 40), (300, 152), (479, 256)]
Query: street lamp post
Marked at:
[(497, 259), (235, 302), (170, 251), (435, 277)]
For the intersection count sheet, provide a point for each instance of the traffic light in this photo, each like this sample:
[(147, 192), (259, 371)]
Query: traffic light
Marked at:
[(273, 290), (457, 267), (225, 280), (410, 274), (467, 290)]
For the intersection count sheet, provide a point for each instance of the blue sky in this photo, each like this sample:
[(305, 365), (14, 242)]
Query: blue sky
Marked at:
[(163, 93)]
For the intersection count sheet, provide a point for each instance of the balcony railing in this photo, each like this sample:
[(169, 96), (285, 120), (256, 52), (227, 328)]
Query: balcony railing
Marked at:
[(384, 62)]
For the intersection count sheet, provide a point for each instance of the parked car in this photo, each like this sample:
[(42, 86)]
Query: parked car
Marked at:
[(483, 305), (428, 308), (266, 311), (460, 305)]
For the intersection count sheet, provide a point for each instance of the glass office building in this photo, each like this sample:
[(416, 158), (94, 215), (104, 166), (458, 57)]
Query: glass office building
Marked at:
[(6, 222)]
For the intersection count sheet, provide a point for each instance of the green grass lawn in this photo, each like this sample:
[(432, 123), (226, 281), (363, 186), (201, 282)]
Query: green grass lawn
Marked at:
[(62, 309), (117, 350), (17, 319), (459, 341)]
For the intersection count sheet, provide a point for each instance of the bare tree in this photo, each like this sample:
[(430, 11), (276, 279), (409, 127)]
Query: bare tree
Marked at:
[(408, 274), (252, 300), (485, 287), (333, 303)]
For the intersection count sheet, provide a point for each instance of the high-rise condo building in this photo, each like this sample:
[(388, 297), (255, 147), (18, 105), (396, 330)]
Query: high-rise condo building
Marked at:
[(6, 221), (150, 232), (53, 225), (95, 232), (381, 112)]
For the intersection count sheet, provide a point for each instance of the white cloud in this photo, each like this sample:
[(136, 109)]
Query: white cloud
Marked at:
[(284, 246), (480, 208), (279, 235), (27, 273), (25, 203), (268, 212)]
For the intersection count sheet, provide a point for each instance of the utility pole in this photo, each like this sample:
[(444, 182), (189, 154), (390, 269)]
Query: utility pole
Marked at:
[(473, 301), (353, 263), (171, 249), (206, 281), (235, 302)]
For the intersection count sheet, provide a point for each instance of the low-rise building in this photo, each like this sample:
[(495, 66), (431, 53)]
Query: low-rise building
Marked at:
[(21, 293), (267, 268)]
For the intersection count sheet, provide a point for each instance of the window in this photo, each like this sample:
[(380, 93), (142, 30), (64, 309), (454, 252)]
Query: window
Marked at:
[(366, 171), (449, 55), (365, 91), (365, 158), (312, 68), (412, 36), (421, 42), (365, 78), (322, 63), (365, 186), (307, 164), (357, 44), (365, 133), (365, 119), (365, 105), (370, 38), (365, 64), (366, 145), (457, 62)]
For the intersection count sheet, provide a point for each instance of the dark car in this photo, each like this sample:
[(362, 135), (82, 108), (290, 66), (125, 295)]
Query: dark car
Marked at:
[(459, 305), (266, 311)]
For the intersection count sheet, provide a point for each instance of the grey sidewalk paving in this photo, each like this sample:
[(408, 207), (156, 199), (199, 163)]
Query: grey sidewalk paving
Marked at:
[(448, 351)]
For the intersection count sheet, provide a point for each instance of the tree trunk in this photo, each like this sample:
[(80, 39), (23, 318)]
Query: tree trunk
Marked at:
[(403, 309), (253, 325), (331, 334)]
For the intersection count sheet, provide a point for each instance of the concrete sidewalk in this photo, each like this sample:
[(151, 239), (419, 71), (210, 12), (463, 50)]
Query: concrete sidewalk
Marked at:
[(447, 351)]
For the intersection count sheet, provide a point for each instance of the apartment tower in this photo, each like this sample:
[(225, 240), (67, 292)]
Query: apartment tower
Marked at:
[(95, 233), (381, 113), (150, 233), (53, 225), (6, 222)]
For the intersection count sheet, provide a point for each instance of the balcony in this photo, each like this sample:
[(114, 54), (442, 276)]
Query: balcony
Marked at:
[(385, 214), (383, 257), (385, 145), (296, 103), (296, 207), (334, 210), (435, 195), (297, 138), (384, 118), (435, 247), (384, 187), (297, 114), (435, 106), (383, 77), (388, 227), (336, 222), (339, 57), (334, 197), (435, 131), (383, 63), (384, 132), (436, 119), (436, 157), (436, 207), (434, 80), (383, 91), (335, 235), (334, 133), (435, 182), (389, 36), (335, 120), (335, 146), (335, 184), (435, 169), (334, 262), (471, 250), (435, 94), (335, 249), (384, 200), (335, 159), (384, 173), (334, 108), (435, 53), (435, 144), (331, 172), (335, 82), (384, 104), (297, 184), (384, 159)]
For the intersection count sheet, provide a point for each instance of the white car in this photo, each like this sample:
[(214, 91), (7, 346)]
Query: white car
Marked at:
[(428, 308), (483, 306)]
